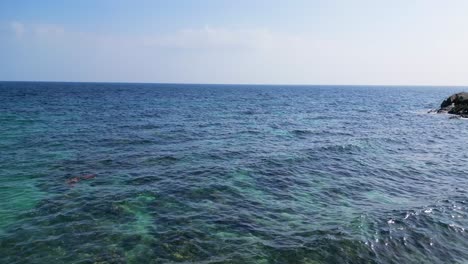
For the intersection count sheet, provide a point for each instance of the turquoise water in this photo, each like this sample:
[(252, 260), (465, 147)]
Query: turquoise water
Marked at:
[(230, 174)]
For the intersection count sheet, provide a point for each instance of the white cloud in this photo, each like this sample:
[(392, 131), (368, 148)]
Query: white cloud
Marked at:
[(226, 55), (48, 29), (21, 29), (210, 37), (18, 28)]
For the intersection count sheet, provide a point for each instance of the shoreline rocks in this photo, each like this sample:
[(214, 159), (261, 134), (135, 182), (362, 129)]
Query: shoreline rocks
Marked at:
[(456, 104)]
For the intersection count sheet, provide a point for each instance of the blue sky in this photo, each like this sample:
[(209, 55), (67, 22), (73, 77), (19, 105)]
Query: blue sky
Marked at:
[(399, 42)]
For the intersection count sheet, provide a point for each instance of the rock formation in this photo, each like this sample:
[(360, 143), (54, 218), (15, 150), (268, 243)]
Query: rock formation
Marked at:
[(456, 104)]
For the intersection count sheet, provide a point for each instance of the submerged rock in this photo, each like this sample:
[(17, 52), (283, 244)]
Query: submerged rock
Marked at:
[(74, 180), (456, 104)]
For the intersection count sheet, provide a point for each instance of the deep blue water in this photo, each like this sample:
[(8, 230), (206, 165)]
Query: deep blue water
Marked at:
[(230, 174)]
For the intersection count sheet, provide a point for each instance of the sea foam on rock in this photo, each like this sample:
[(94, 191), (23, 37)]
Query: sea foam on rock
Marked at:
[(456, 104)]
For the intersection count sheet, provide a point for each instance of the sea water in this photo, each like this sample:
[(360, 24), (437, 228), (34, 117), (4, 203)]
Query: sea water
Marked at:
[(230, 174)]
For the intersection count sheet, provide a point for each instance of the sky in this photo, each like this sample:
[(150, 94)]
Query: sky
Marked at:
[(355, 42)]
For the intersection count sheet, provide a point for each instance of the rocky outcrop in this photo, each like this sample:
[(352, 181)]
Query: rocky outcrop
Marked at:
[(456, 104)]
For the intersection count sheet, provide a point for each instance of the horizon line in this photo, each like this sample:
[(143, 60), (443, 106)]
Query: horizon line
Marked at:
[(241, 84)]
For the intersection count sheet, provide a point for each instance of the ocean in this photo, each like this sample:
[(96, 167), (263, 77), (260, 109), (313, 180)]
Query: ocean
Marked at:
[(179, 173)]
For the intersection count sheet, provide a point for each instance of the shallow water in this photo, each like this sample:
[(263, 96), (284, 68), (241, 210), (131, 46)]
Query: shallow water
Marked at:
[(230, 174)]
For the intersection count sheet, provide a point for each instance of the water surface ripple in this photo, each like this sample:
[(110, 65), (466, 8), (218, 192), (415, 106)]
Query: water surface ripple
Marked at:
[(230, 174)]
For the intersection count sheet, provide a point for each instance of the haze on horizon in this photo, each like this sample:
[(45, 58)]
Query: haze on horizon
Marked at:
[(420, 42)]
